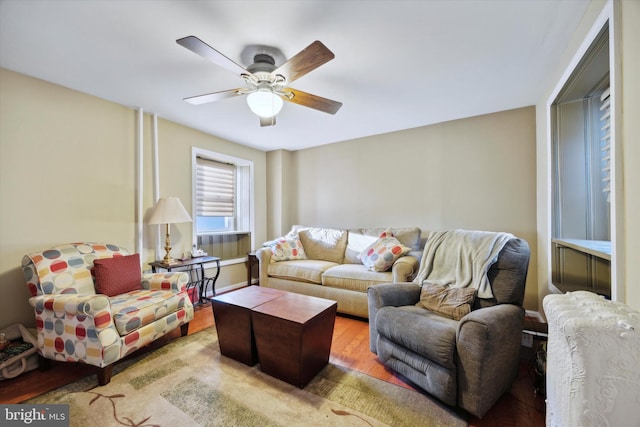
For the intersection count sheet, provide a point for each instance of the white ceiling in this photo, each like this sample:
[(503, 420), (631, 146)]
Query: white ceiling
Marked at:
[(398, 64)]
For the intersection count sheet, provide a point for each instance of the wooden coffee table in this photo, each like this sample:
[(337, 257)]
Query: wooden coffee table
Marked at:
[(293, 334), (232, 314)]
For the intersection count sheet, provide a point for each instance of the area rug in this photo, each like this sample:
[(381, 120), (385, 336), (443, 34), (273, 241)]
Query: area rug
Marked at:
[(189, 383)]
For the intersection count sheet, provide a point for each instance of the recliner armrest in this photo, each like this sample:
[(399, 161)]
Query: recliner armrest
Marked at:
[(488, 348), (394, 294), (175, 281), (388, 294)]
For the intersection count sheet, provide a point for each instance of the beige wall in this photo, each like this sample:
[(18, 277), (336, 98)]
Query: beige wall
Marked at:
[(475, 173), (68, 173), (279, 177), (627, 39), (174, 145)]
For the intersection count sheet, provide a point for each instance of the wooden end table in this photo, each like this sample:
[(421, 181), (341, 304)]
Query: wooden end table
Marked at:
[(252, 260)]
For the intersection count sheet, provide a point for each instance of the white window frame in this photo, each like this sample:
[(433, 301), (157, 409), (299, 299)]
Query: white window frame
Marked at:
[(610, 15), (245, 214)]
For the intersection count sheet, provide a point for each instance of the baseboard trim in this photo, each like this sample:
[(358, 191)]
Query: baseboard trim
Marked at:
[(227, 288)]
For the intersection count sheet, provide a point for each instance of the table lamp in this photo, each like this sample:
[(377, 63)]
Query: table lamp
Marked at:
[(168, 210)]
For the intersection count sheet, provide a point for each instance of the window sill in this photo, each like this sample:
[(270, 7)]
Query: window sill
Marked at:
[(233, 261), (598, 248), (224, 233)]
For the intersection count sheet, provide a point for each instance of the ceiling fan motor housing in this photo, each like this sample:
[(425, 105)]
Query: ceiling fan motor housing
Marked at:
[(262, 63)]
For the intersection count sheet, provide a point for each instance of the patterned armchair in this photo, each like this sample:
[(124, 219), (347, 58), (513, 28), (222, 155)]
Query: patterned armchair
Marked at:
[(85, 314)]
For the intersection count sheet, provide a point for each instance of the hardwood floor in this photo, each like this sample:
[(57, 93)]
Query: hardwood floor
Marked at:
[(350, 348)]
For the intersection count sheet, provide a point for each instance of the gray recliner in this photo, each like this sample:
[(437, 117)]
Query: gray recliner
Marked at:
[(468, 363)]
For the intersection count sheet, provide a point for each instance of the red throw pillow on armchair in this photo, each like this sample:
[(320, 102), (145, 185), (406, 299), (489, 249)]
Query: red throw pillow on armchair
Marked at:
[(117, 275)]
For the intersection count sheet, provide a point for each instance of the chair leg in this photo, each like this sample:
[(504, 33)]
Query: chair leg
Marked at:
[(104, 374), (184, 329)]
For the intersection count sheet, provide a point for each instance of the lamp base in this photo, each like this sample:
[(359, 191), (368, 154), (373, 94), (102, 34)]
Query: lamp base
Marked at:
[(168, 259), (167, 248)]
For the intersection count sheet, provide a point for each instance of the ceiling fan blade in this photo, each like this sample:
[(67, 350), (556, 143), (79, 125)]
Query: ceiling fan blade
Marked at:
[(196, 45), (304, 62), (268, 121), (211, 97), (313, 101)]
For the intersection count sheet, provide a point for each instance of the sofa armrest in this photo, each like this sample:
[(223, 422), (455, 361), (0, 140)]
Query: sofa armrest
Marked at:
[(404, 268), (175, 281), (388, 294), (93, 319), (488, 347), (264, 258), (72, 304)]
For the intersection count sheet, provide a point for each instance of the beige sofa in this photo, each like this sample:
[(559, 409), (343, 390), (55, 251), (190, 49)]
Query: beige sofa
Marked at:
[(332, 268)]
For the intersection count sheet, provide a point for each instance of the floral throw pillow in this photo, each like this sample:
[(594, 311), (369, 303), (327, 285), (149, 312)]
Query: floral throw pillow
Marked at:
[(382, 253), (287, 250)]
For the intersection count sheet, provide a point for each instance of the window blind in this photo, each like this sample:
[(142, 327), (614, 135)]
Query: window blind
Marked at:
[(605, 142), (215, 188)]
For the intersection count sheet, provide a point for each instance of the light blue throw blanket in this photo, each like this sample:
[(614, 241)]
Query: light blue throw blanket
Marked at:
[(461, 258)]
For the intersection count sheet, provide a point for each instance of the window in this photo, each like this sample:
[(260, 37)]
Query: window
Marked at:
[(222, 202), (581, 216), (215, 195)]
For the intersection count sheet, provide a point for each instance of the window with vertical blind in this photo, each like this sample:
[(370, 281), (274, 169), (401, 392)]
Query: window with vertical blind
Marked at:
[(222, 204)]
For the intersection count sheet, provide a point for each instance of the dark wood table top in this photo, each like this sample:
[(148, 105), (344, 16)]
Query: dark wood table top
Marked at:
[(297, 308), (249, 297)]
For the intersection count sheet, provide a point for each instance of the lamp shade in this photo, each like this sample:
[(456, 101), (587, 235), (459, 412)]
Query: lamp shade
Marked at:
[(264, 103), (169, 210)]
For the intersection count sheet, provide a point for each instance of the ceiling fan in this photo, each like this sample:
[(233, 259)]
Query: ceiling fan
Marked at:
[(266, 84)]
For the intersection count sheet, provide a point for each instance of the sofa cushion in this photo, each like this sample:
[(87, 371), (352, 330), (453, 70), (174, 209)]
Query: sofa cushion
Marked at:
[(357, 241), (287, 250), (117, 275), (354, 277), (325, 244), (360, 238), (408, 236), (382, 253), (420, 331), (454, 303), (135, 309), (305, 270)]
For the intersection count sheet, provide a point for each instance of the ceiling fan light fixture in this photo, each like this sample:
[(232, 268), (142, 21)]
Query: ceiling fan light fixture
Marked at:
[(267, 85), (264, 103)]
